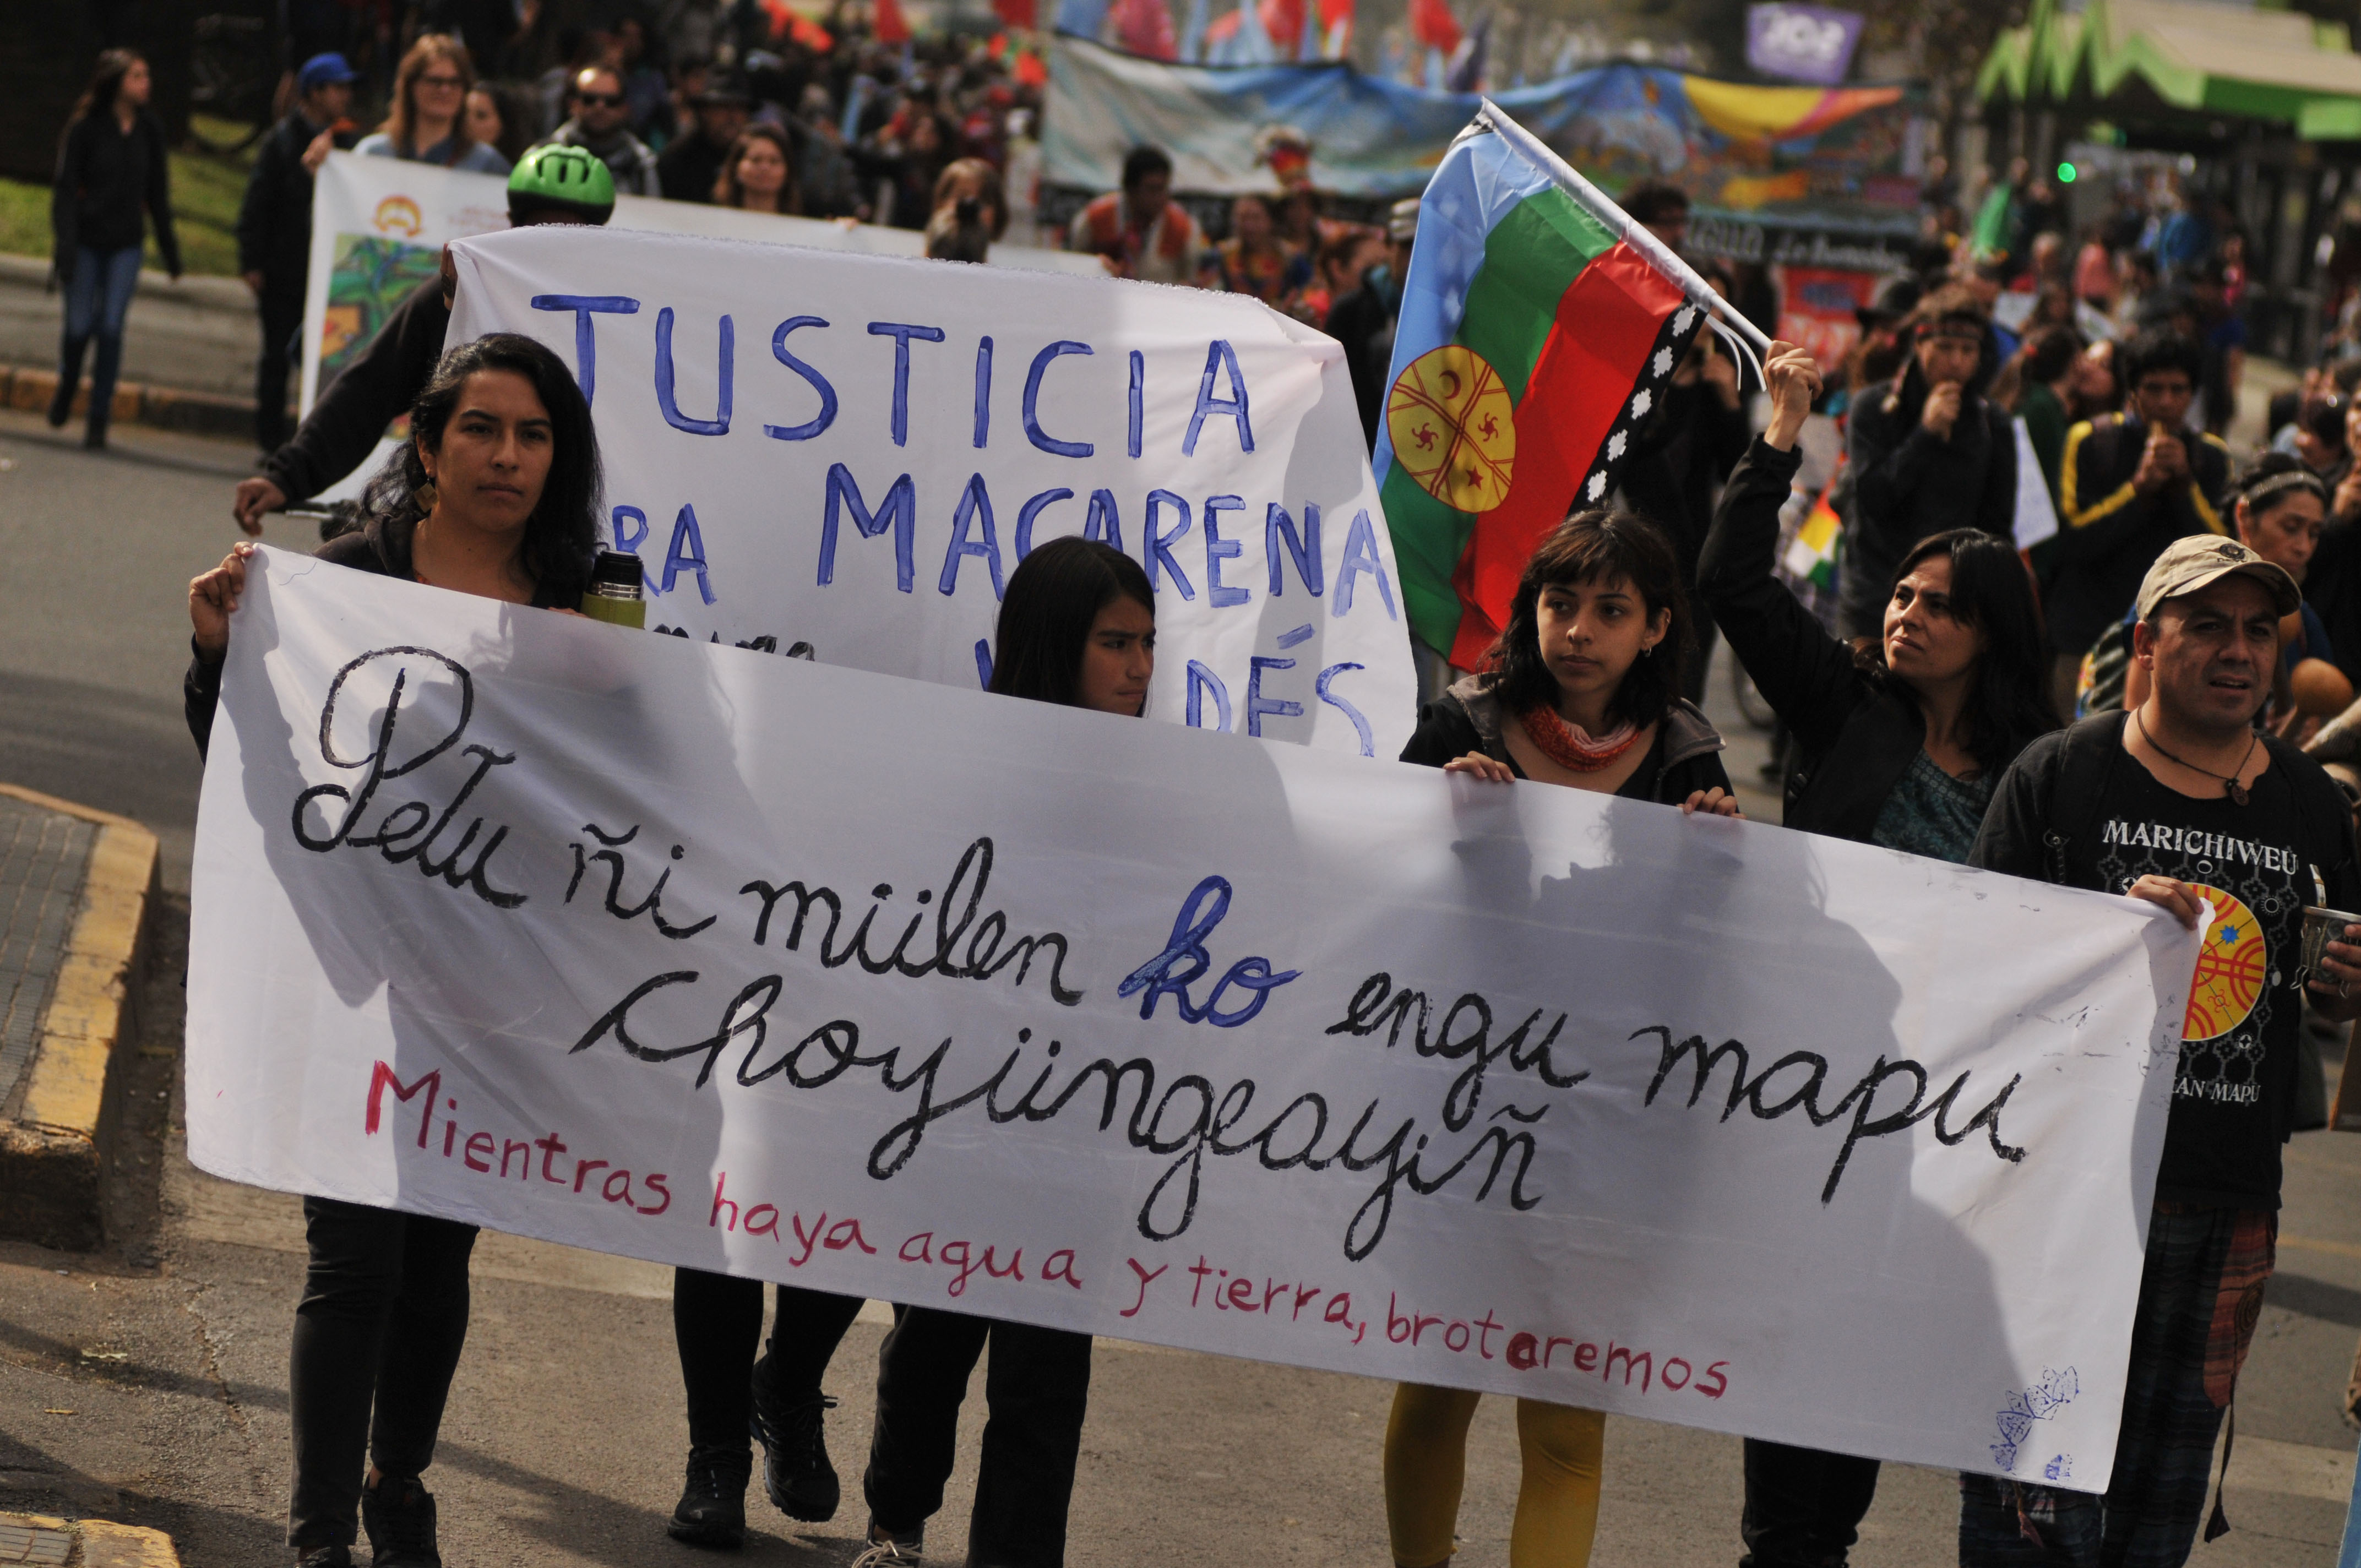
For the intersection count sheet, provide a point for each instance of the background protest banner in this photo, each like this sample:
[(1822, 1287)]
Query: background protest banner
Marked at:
[(853, 453), (896, 990), (378, 225)]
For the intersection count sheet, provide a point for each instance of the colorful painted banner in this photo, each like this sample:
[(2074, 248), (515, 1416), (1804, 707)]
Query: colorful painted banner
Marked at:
[(1777, 153), (894, 990), (1816, 310)]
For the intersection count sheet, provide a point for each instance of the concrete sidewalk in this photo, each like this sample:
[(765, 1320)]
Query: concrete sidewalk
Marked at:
[(189, 349)]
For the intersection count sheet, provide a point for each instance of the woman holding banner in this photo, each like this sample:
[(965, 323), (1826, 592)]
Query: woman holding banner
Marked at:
[(496, 494), (1077, 629), (1583, 689), (1901, 740)]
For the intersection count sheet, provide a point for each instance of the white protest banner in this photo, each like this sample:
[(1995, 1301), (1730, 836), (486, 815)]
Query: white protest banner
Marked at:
[(890, 989), (853, 454), (378, 225)]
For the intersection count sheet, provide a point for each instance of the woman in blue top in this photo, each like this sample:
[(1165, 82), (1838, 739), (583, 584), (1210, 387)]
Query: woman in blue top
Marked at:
[(429, 122)]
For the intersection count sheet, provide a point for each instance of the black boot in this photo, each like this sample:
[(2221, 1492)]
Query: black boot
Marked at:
[(107, 363), (712, 1507), (70, 356), (400, 1518), (797, 1476), (327, 1557)]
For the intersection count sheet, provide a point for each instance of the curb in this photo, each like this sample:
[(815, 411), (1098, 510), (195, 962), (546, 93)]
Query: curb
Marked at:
[(53, 1163), (40, 1538), (194, 413)]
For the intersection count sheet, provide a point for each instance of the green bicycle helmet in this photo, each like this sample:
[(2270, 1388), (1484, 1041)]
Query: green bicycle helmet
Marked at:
[(559, 179)]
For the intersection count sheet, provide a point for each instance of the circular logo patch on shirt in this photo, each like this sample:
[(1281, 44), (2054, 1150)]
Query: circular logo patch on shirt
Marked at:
[(2230, 968), (1454, 427)]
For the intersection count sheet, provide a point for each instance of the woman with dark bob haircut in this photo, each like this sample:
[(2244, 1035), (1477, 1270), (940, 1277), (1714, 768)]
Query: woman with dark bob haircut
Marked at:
[(495, 494), (1077, 628), (1581, 689), (1899, 742)]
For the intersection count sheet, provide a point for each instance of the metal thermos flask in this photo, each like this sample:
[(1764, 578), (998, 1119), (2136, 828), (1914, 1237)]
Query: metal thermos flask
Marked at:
[(614, 591)]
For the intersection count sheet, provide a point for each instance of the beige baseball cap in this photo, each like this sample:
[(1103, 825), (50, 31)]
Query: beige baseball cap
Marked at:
[(2191, 562)]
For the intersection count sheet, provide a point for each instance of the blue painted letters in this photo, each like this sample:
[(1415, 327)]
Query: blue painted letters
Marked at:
[(1219, 354), (586, 340), (827, 415), (719, 424), (1033, 431), (1184, 960), (902, 332), (900, 512)]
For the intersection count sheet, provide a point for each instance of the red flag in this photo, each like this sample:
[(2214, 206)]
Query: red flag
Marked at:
[(1433, 26), (890, 26), (1283, 20), (1145, 27), (1013, 12), (1335, 14)]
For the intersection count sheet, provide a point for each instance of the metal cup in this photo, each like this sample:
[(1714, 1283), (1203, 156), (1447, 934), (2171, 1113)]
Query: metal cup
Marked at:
[(2321, 927)]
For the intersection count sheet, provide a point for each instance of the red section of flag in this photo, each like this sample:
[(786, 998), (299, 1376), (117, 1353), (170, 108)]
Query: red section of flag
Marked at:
[(809, 34), (887, 21), (1433, 26), (1334, 13), (1145, 27), (1030, 70), (1013, 12), (1283, 20), (1607, 321)]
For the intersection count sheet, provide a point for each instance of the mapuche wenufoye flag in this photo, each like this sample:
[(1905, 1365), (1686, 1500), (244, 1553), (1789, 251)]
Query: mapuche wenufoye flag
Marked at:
[(1533, 340)]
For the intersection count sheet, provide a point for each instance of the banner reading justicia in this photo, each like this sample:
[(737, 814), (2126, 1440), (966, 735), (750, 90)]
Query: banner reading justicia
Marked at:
[(884, 987)]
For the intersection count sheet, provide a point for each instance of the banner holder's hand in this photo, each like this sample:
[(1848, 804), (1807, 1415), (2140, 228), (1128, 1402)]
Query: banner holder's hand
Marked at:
[(212, 600), (1715, 802), (1476, 765)]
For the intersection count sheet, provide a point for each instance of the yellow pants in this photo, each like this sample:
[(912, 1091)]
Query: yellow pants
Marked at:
[(1426, 1464)]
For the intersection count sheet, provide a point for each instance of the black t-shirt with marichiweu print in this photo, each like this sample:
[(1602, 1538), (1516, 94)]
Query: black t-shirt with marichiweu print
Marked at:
[(2233, 1095)]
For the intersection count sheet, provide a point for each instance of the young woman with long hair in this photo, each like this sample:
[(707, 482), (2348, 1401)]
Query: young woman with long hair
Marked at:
[(495, 494), (428, 122), (1077, 629), (1900, 739), (1582, 689), (110, 167), (758, 175)]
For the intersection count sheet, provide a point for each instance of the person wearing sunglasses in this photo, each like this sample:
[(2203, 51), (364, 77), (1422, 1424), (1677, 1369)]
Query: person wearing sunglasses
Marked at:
[(599, 121), (428, 123)]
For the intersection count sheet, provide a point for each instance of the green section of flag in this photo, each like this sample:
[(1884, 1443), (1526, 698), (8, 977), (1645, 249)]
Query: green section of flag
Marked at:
[(1531, 256), (1428, 538)]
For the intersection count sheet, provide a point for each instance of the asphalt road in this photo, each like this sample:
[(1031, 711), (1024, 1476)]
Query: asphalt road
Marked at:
[(147, 1382)]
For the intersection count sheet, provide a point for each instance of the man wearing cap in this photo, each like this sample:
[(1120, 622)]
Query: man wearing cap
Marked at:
[(274, 225), (2179, 803), (688, 169), (549, 185)]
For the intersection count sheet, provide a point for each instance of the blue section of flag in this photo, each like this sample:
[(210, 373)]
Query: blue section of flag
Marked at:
[(1479, 180)]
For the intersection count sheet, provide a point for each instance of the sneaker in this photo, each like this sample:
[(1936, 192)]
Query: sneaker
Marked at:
[(797, 1476), (712, 1507), (327, 1557), (910, 1548), (400, 1517)]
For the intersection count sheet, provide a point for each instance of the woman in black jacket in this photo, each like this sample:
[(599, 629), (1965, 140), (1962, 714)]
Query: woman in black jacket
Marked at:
[(1901, 740), (1077, 629), (1582, 688), (110, 164), (1929, 452), (496, 494)]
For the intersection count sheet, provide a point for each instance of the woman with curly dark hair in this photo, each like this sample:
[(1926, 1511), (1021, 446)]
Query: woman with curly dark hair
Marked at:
[(496, 494)]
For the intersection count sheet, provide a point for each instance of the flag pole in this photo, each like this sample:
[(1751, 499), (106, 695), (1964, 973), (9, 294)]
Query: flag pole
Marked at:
[(1660, 255)]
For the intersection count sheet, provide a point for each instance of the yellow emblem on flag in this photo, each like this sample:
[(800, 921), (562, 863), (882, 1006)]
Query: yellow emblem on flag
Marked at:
[(1454, 428), (2230, 967)]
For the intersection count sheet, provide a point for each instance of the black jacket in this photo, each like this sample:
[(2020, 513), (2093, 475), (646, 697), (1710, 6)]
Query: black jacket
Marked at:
[(688, 169), (381, 548), (1855, 735), (1468, 718), (104, 178), (274, 219), (1909, 484), (374, 390), (1363, 322), (2109, 534)]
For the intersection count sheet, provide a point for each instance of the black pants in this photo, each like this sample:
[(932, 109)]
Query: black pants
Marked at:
[(378, 1335), (716, 1321), (1804, 1508), (1036, 1391), (283, 318)]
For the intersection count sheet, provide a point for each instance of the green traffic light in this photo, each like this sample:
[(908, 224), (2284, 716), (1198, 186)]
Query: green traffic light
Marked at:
[(2065, 174)]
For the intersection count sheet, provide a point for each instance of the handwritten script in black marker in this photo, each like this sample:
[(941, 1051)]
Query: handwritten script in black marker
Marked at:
[(408, 831)]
